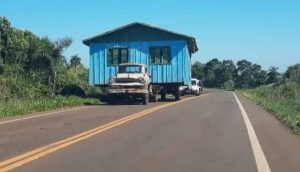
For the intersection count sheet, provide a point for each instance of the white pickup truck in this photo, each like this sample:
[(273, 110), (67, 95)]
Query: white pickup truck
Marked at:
[(196, 87)]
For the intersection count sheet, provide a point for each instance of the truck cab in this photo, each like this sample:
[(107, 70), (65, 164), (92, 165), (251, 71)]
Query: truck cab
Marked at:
[(196, 86)]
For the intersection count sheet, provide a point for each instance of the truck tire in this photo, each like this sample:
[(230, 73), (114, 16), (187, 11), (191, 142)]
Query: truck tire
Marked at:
[(163, 94), (153, 98), (198, 93), (112, 99), (182, 93), (177, 93), (145, 99), (153, 94)]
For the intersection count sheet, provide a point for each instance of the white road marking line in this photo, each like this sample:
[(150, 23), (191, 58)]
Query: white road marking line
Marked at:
[(260, 159), (41, 115)]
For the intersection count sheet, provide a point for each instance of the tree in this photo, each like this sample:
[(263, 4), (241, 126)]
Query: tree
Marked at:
[(229, 67), (273, 75), (212, 68), (4, 34), (245, 77), (260, 77), (32, 66), (1, 67), (75, 61), (198, 71), (293, 73), (226, 73)]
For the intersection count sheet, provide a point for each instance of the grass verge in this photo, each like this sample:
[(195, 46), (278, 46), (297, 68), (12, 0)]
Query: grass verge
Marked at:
[(286, 109), (21, 107)]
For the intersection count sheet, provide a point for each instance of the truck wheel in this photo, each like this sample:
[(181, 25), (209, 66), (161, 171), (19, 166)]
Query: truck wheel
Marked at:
[(177, 93), (145, 99), (182, 93), (198, 93), (111, 102), (153, 98), (112, 99), (163, 94)]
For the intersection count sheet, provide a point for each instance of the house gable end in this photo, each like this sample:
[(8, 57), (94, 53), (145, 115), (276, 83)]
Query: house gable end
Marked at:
[(141, 32)]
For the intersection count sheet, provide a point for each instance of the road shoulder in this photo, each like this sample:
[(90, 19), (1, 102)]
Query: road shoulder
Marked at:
[(11, 119), (279, 144)]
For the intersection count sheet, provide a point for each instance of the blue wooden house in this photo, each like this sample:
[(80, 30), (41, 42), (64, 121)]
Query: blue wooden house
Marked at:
[(167, 54)]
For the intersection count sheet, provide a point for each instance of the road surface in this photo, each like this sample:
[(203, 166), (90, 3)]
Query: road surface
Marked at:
[(211, 132)]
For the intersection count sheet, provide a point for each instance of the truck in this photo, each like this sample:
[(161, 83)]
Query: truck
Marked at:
[(196, 87), (131, 81), (163, 57)]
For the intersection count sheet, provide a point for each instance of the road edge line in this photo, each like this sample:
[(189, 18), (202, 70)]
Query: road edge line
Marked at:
[(259, 156), (43, 114)]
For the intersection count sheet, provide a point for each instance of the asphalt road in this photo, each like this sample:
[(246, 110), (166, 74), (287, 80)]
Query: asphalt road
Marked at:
[(206, 133)]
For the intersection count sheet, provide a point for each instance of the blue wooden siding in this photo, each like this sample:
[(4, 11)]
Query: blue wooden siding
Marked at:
[(179, 71)]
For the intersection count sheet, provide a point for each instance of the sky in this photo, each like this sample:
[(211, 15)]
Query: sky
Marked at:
[(262, 31)]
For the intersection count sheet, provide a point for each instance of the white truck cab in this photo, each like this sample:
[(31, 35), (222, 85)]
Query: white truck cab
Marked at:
[(196, 87)]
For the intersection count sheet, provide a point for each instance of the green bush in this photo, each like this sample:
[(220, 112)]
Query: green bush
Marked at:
[(282, 101), (72, 90), (293, 73), (288, 91), (229, 85)]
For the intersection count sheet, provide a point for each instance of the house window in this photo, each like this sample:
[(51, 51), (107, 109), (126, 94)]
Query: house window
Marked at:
[(117, 56), (160, 55)]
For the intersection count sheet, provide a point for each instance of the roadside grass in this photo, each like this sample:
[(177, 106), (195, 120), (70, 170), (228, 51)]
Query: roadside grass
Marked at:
[(20, 107), (282, 101)]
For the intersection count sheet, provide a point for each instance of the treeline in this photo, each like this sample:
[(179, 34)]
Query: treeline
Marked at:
[(243, 74), (33, 67)]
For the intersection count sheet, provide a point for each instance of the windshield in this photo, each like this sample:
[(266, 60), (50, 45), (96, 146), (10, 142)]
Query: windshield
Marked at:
[(194, 83), (130, 69)]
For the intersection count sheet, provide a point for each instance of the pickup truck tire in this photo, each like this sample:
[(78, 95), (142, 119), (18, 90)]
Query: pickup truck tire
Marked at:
[(198, 92), (163, 94), (153, 98), (145, 99), (177, 93)]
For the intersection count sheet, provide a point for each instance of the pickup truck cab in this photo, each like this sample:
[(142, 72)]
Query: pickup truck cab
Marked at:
[(196, 87)]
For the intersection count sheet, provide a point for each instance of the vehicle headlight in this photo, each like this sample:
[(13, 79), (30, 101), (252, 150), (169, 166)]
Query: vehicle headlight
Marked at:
[(112, 80), (142, 80)]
